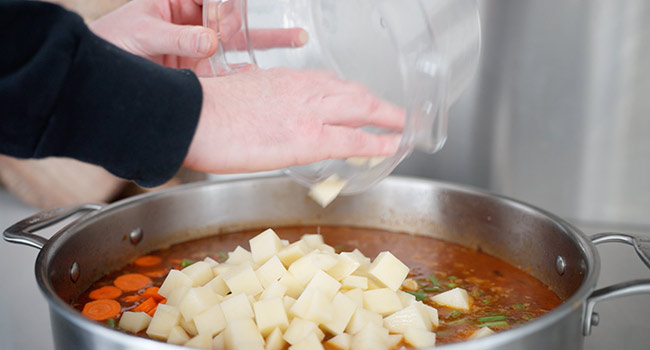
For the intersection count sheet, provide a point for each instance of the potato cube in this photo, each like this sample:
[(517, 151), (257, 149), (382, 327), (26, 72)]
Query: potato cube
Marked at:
[(237, 307), (370, 337), (325, 283), (313, 240), (210, 321), (239, 256), (383, 301), (420, 338), (270, 314), (200, 273), (352, 282), (200, 341), (275, 290), (293, 252), (410, 284), (162, 322), (299, 328), (218, 286), (481, 332), (313, 305), (431, 312), (294, 287), (272, 270), (356, 295), (310, 342), (411, 317), (327, 190), (134, 322), (288, 303), (306, 267), (264, 246), (189, 327), (456, 298), (219, 342), (394, 340), (174, 280), (274, 340), (361, 318), (197, 300), (178, 336), (243, 334), (344, 268), (388, 271), (406, 298), (340, 342), (243, 279), (342, 310), (211, 262), (326, 248)]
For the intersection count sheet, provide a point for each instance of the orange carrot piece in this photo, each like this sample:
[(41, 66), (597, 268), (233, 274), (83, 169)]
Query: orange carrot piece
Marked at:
[(132, 298), (102, 309), (131, 282), (148, 261), (146, 305), (164, 301), (152, 292), (176, 261), (152, 311), (106, 292), (156, 273)]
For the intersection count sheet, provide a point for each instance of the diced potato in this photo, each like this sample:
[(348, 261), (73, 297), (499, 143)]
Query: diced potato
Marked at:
[(340, 342), (211, 262), (344, 268), (313, 240), (306, 267), (327, 190), (269, 315), (200, 273), (134, 322), (243, 334), (394, 340), (420, 338), (197, 300), (431, 312), (352, 282), (243, 279), (178, 336), (274, 340), (383, 301), (238, 256), (356, 295), (361, 318), (200, 341), (237, 307), (264, 246), (288, 303), (189, 327), (312, 305), (177, 295), (342, 310), (293, 252), (370, 337), (324, 283), (210, 321), (481, 332), (410, 284), (219, 342), (406, 298), (272, 270), (411, 317), (275, 290), (174, 280), (388, 271), (294, 287), (456, 298), (357, 161), (163, 320), (299, 328), (218, 286), (310, 342), (326, 248)]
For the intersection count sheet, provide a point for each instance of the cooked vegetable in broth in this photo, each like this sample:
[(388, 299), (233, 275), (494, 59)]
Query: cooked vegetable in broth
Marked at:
[(393, 288)]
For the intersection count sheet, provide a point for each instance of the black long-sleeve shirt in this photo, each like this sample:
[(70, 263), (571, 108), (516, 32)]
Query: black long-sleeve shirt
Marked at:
[(66, 92)]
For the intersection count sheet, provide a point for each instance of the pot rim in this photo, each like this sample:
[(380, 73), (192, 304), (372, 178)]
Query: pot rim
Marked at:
[(574, 302)]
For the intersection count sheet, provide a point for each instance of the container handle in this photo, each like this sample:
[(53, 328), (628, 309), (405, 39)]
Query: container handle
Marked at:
[(642, 247), (22, 232)]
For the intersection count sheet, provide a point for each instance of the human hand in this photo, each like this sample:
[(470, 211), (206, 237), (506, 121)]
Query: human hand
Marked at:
[(269, 119), (169, 32)]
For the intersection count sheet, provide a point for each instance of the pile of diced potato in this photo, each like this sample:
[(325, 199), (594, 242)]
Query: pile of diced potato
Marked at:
[(293, 295)]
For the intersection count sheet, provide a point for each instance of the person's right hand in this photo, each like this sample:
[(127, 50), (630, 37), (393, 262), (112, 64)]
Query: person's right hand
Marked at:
[(270, 119)]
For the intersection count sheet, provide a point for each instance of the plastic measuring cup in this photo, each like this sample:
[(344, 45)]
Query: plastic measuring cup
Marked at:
[(418, 54)]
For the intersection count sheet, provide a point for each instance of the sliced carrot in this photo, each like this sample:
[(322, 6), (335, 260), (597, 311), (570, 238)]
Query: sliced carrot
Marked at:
[(106, 292), (148, 261), (152, 311), (164, 301), (131, 282), (176, 261), (156, 273), (132, 298), (152, 292), (146, 305), (102, 309)]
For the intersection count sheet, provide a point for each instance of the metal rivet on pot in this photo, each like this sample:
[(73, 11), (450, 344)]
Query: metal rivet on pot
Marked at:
[(74, 272), (560, 265), (135, 236), (595, 319)]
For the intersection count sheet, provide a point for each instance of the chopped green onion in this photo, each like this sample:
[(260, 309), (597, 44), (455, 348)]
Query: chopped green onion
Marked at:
[(462, 320), (419, 295), (433, 289), (485, 301), (452, 278), (186, 262), (434, 280), (451, 285), (111, 322), (455, 314), (491, 318), (222, 256), (527, 316), (519, 306), (493, 324)]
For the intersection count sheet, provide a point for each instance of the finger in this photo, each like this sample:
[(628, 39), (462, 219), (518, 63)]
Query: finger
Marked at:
[(283, 37), (186, 12), (185, 41), (343, 142), (356, 110)]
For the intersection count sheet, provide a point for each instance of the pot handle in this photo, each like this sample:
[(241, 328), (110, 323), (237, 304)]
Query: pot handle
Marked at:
[(22, 232), (642, 247)]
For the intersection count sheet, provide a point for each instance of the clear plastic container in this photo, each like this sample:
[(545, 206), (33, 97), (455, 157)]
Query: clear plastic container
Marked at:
[(418, 54)]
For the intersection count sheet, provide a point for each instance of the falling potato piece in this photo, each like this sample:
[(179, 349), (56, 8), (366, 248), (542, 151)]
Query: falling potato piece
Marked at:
[(481, 332), (327, 190), (456, 298)]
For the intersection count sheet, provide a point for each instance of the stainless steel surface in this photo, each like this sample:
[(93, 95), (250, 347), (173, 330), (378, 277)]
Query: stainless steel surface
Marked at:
[(558, 115), (518, 233)]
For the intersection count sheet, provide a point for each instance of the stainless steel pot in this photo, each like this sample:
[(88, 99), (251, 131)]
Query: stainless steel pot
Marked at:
[(106, 236)]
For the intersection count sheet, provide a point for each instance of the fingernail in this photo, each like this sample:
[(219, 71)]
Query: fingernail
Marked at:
[(303, 37), (203, 43)]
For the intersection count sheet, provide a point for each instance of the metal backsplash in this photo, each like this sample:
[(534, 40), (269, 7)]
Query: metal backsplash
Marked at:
[(559, 112)]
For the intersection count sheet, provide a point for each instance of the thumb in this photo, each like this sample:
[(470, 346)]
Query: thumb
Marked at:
[(182, 40)]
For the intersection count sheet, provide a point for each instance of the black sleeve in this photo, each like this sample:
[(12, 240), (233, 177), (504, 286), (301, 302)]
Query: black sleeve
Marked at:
[(65, 92)]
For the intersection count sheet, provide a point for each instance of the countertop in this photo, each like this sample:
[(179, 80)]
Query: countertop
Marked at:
[(25, 323)]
